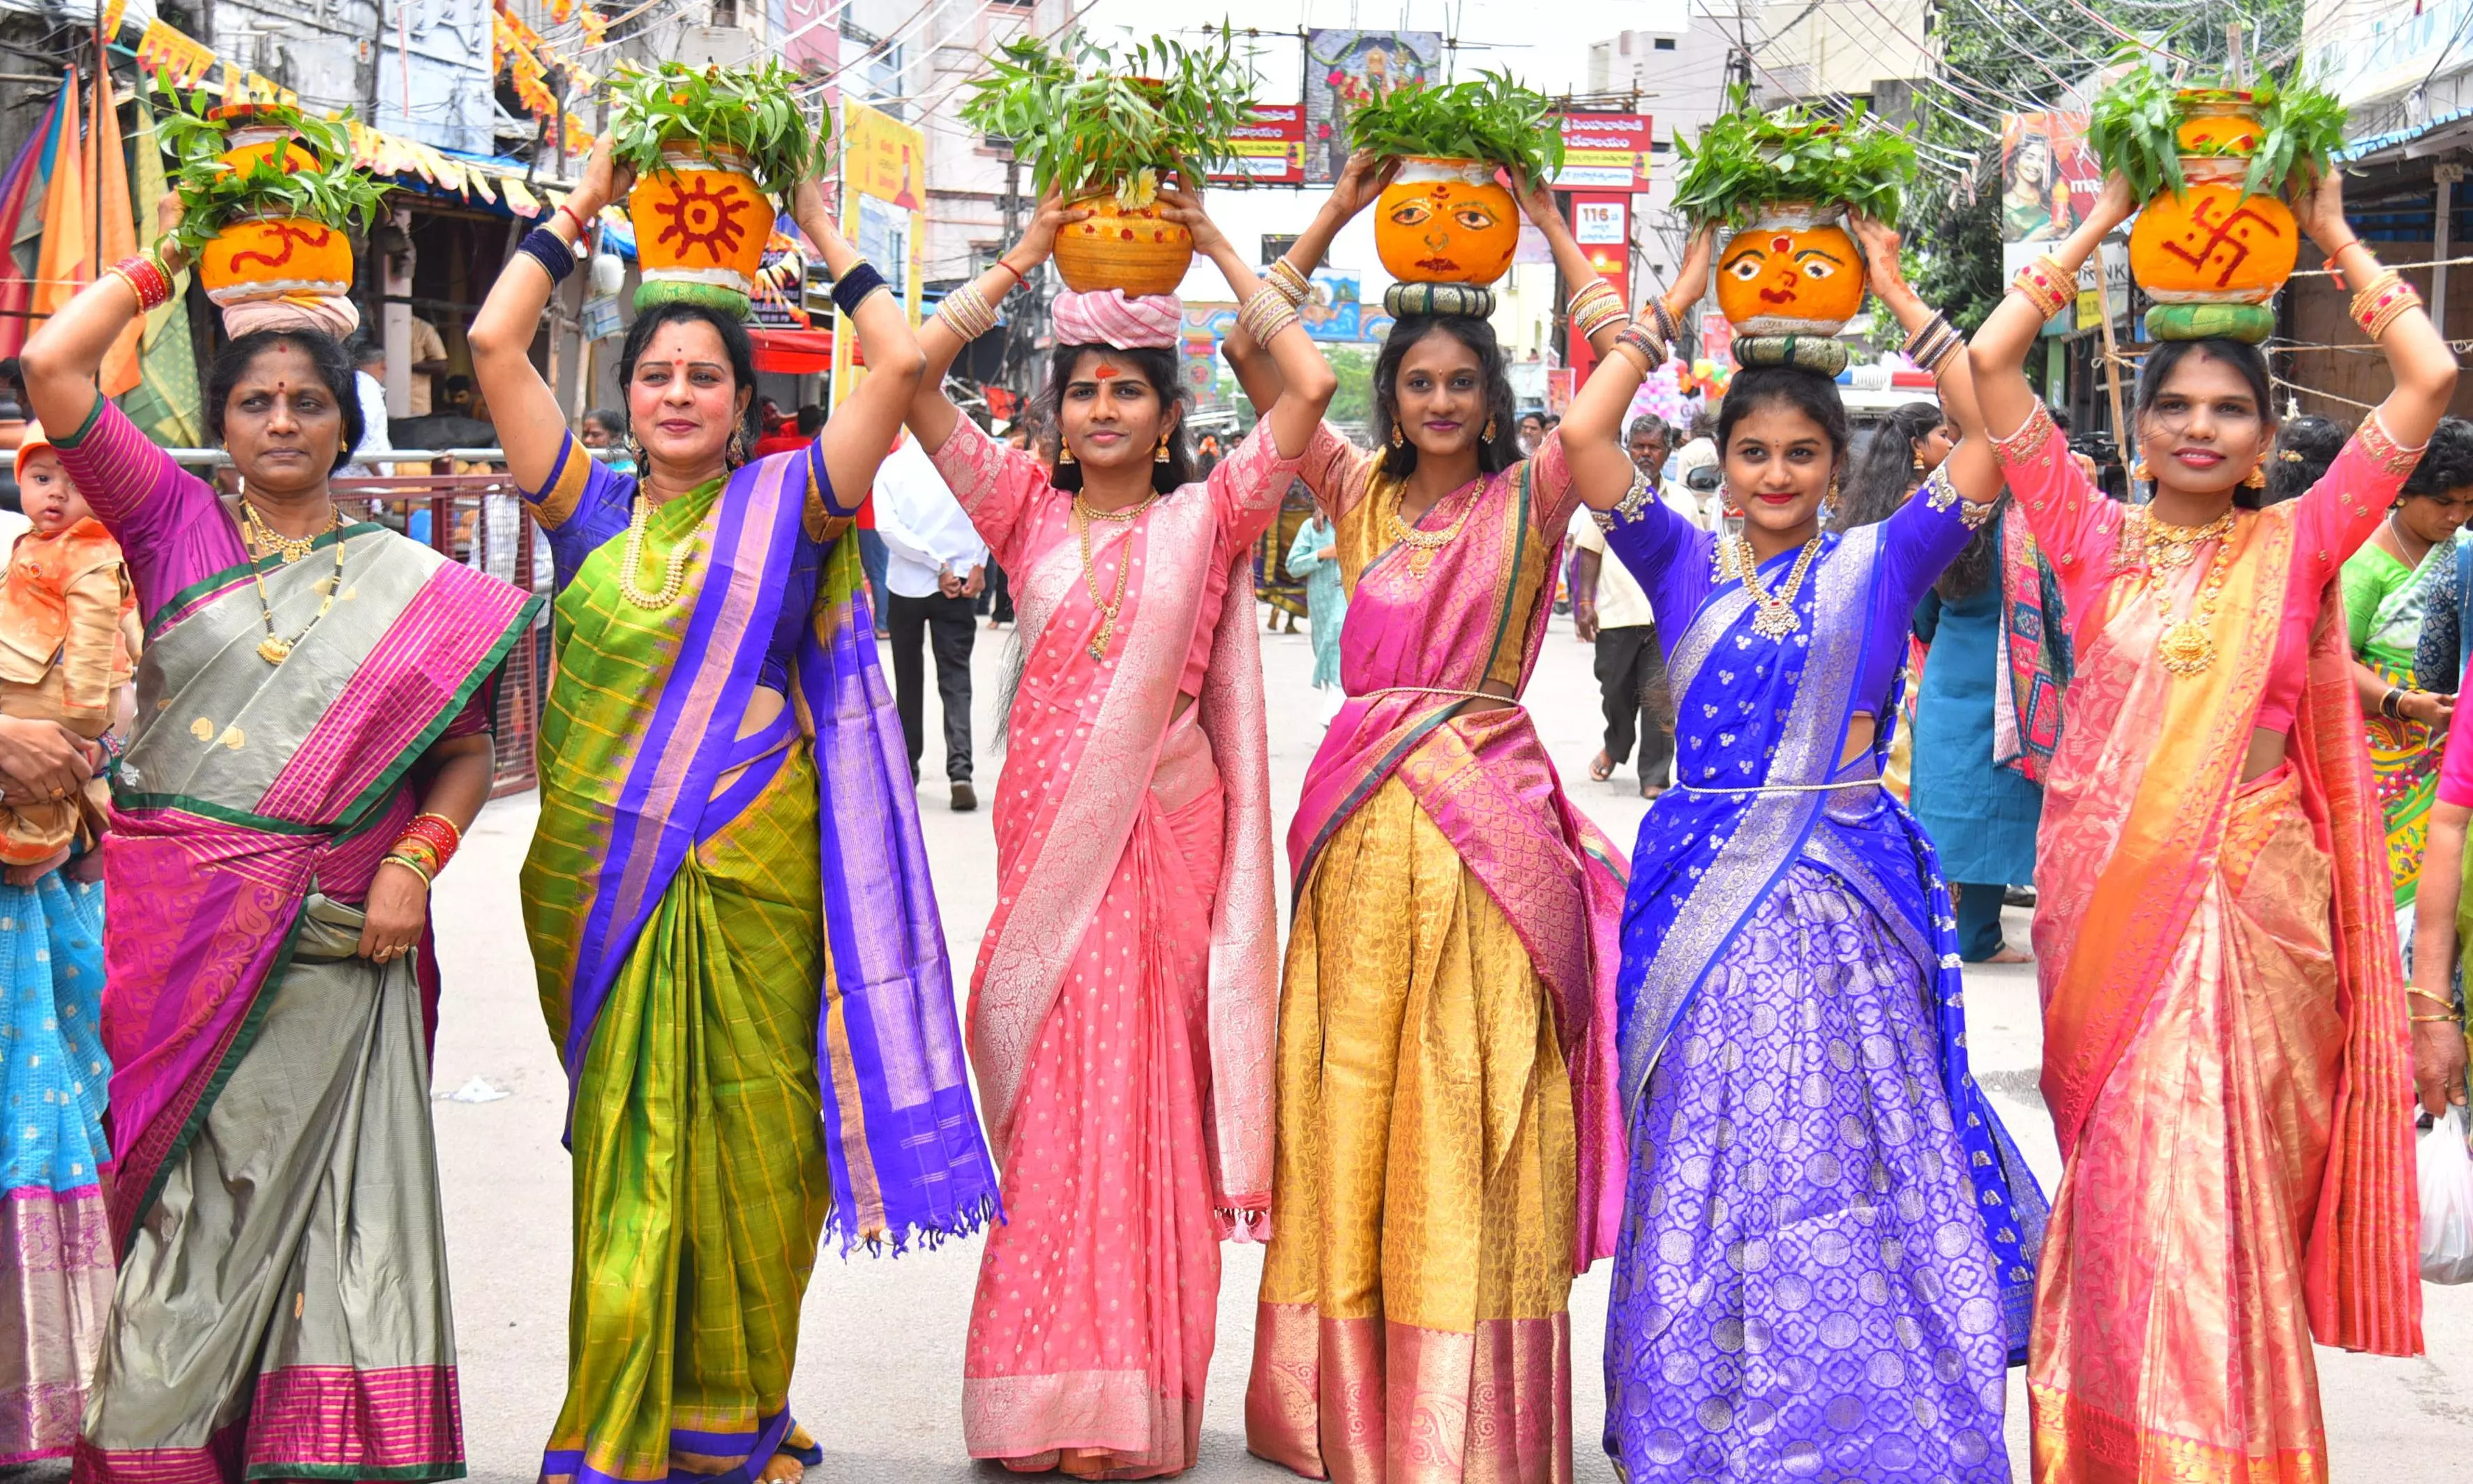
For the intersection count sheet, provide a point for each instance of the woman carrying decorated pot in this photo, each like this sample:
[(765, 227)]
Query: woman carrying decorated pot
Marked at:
[(1828, 1235), (312, 742), (2226, 1054), (1120, 1015), (1448, 1154), (727, 896)]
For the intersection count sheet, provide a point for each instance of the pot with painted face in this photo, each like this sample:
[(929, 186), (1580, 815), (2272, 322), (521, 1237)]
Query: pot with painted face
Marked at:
[(1446, 221), (2211, 257), (701, 223), (1794, 271), (1132, 249)]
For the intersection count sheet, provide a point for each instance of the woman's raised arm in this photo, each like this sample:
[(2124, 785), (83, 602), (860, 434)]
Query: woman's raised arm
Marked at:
[(1592, 426), (1974, 469), (1305, 379), (2418, 358), (860, 432), (1360, 185), (932, 413)]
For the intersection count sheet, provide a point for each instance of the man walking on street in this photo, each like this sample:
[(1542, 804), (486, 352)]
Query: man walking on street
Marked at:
[(1613, 613), (935, 566)]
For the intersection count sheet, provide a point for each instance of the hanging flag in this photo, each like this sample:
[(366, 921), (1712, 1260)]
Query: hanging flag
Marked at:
[(60, 262), (118, 238), (23, 180), (173, 58), (165, 405)]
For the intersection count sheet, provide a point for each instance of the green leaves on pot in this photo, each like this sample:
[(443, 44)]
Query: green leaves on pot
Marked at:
[(329, 190), (1097, 118), (2134, 129), (1746, 159), (1492, 117), (753, 110)]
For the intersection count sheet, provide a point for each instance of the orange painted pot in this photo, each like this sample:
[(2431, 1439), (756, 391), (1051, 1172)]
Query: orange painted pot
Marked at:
[(1446, 221), (701, 223), (250, 135), (263, 257), (1794, 271), (2217, 121), (1134, 251), (2211, 244)]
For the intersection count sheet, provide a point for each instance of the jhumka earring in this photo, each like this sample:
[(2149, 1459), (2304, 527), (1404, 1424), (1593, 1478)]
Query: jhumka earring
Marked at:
[(736, 452), (2256, 478), (1064, 452), (1489, 430), (2138, 471), (1832, 499), (634, 453), (1160, 457), (1396, 438)]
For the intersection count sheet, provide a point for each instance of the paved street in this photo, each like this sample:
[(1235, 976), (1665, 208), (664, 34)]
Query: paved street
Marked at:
[(880, 1378)]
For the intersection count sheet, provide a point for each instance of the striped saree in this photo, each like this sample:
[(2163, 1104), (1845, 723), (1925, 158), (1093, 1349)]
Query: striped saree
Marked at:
[(740, 959)]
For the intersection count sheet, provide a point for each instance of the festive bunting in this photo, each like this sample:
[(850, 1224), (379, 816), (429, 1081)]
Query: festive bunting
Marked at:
[(108, 165)]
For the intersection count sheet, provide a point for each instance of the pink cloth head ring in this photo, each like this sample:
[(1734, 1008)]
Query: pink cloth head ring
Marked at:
[(1108, 317)]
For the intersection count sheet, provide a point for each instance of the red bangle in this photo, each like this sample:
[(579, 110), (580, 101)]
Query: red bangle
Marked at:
[(439, 833), (1018, 280), (575, 216), (146, 279)]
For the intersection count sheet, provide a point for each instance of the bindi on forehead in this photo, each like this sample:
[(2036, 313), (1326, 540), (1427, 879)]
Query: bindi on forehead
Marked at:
[(1105, 372)]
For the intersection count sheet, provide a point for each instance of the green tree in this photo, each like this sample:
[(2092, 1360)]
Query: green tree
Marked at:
[(1353, 401)]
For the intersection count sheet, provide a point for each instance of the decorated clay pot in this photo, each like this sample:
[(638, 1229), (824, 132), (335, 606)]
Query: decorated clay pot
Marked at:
[(2215, 121), (1794, 271), (251, 132), (701, 223), (1131, 249), (2211, 244), (264, 257), (1446, 221)]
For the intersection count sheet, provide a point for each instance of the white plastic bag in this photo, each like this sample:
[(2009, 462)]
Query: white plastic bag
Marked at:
[(2446, 1169)]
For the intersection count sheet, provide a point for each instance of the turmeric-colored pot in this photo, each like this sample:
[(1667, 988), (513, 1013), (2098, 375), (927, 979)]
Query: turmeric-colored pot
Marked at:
[(1134, 249), (1446, 221), (2211, 244), (262, 257), (1794, 271), (250, 135), (701, 223)]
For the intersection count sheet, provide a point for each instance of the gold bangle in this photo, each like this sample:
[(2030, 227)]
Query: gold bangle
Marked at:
[(1293, 286), (428, 876), (2434, 999), (2433, 1019)]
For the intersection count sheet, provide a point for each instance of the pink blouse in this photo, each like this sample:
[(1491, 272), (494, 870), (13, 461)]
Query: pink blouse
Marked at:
[(2079, 528), (1022, 515)]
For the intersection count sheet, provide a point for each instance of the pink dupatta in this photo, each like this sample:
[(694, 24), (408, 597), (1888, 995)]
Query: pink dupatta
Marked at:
[(1084, 741)]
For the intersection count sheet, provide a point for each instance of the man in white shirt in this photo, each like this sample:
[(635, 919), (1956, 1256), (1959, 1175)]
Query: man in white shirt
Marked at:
[(935, 566), (1613, 613), (369, 378)]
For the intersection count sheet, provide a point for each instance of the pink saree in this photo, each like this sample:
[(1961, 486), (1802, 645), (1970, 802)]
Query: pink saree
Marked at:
[(1121, 1009), (2224, 1047)]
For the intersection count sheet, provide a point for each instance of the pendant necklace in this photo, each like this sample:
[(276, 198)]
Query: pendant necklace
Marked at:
[(2186, 646), (1421, 542), (1106, 607), (272, 649), (1773, 614)]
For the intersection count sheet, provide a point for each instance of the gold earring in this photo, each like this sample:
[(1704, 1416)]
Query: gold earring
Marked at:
[(2138, 471), (1064, 452), (1160, 457), (1396, 438), (2256, 478), (1489, 430), (1832, 499)]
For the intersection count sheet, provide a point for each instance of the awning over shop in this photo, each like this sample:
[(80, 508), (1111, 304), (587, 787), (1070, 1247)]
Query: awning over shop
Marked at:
[(792, 353)]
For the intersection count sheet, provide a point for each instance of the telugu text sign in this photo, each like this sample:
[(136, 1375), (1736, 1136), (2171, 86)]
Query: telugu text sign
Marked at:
[(1606, 152), (1268, 148)]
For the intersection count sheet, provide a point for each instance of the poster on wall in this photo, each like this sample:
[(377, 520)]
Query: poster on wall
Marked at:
[(1346, 68), (2049, 177), (1607, 151), (885, 204), (1267, 149)]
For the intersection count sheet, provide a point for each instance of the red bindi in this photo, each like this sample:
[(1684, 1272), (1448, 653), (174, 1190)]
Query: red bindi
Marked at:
[(1103, 374), (1780, 244)]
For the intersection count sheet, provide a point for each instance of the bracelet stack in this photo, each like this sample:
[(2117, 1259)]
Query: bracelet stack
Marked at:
[(147, 277), (1931, 346), (544, 246), (852, 288), (1643, 342), (966, 314), (2449, 1018), (1595, 307), (2391, 704), (1293, 286), (429, 842), (1669, 327), (2047, 284), (2383, 300), (1265, 315)]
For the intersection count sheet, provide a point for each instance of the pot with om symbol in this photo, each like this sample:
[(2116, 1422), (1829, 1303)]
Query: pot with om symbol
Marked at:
[(701, 223), (264, 256)]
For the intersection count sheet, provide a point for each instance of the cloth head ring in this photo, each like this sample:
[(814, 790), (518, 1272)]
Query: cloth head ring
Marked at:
[(1108, 317)]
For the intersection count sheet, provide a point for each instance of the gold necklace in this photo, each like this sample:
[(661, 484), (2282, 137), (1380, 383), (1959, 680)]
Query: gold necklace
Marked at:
[(271, 649), (1421, 542), (1773, 614), (2186, 647), (1106, 607), (674, 571), (2170, 548), (264, 539)]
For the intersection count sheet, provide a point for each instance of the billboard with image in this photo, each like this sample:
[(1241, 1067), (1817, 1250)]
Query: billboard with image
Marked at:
[(1344, 68), (2049, 177)]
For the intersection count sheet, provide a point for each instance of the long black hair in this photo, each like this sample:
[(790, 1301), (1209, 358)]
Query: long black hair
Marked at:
[(326, 357), (1495, 453), (2243, 357), (1885, 476), (1158, 365), (735, 345)]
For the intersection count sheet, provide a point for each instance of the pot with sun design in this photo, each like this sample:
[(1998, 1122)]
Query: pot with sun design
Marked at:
[(2211, 257), (1124, 243), (1446, 221), (1794, 271), (701, 223)]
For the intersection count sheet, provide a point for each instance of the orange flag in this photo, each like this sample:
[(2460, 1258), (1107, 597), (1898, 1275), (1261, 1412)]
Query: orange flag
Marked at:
[(60, 261), (119, 234)]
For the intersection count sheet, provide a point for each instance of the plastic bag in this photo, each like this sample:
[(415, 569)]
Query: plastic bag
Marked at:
[(2445, 1171)]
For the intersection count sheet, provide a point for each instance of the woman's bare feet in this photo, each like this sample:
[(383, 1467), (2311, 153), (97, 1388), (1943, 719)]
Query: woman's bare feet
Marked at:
[(2011, 955), (784, 1468)]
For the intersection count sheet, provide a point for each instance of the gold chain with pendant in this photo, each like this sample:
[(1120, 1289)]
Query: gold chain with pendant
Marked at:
[(1773, 614), (1421, 542), (2169, 549), (1084, 515), (272, 649), (2187, 646)]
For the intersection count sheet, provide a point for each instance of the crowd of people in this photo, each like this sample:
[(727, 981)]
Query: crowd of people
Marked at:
[(2209, 727)]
